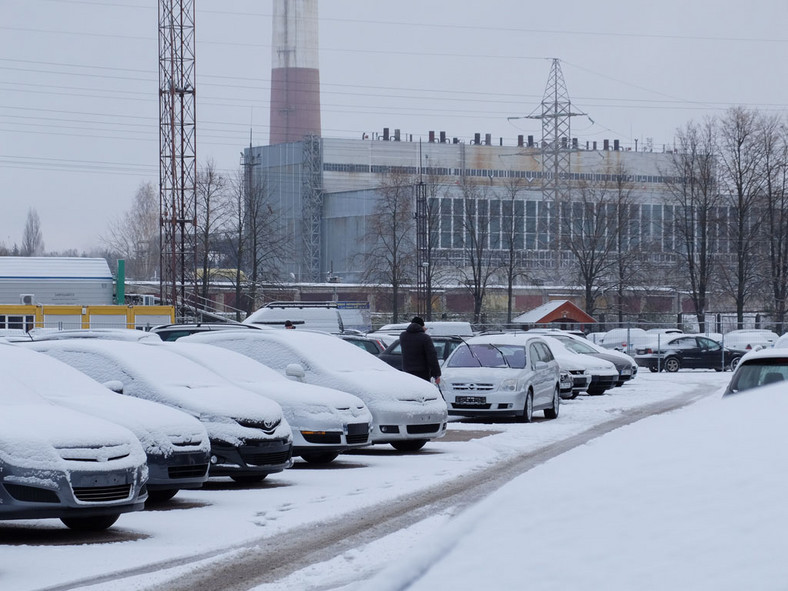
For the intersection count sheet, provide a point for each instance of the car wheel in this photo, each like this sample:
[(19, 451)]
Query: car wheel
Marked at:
[(409, 445), (735, 362), (552, 413), (319, 457), (672, 364), (249, 478), (653, 368), (528, 408), (160, 496), (95, 523)]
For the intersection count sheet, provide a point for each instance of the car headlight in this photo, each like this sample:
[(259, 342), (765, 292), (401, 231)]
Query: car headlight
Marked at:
[(508, 386)]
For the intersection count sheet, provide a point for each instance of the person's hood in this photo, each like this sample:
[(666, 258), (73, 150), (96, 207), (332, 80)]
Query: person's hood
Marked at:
[(413, 327)]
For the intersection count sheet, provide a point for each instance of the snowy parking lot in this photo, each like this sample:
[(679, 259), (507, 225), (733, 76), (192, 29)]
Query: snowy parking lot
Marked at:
[(217, 525)]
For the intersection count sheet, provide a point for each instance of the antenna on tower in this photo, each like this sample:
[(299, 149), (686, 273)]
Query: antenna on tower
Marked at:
[(556, 145)]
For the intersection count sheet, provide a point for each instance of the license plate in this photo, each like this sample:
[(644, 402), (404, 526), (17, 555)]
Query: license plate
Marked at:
[(471, 400)]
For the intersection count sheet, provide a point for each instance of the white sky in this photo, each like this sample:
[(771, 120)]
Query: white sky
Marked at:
[(79, 83), (703, 485)]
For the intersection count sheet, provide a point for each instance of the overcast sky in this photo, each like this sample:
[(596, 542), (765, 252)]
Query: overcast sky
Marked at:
[(79, 83)]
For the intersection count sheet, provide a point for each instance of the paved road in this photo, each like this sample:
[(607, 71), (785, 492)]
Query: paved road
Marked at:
[(310, 545)]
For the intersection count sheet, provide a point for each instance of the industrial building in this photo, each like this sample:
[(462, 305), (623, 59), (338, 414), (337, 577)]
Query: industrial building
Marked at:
[(338, 182)]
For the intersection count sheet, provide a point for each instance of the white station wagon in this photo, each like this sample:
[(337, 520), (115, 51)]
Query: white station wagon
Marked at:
[(508, 374)]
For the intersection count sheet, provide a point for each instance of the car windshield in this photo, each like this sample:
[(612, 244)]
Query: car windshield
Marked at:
[(577, 346), (488, 355), (760, 372)]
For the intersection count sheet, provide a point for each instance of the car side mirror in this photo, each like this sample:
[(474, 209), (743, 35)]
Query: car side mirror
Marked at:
[(114, 385), (294, 370)]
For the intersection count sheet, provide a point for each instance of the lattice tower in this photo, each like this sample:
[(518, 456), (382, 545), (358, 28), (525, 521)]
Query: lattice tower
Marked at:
[(177, 150)]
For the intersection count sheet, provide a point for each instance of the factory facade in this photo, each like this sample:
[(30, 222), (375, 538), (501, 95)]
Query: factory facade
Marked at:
[(326, 190)]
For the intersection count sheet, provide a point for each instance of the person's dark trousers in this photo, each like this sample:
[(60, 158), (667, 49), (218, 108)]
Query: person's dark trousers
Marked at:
[(424, 375)]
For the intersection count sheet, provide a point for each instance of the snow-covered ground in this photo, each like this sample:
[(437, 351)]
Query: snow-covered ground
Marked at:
[(572, 517)]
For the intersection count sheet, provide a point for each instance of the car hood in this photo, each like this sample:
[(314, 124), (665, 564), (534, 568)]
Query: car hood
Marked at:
[(493, 375), (158, 427), (374, 385), (47, 436)]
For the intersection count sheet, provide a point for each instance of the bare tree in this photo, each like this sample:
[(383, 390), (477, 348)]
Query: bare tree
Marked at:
[(32, 239), (512, 237), (212, 213), (775, 206), (267, 244), (592, 226), (134, 236), (436, 189), (692, 184), (479, 263), (390, 257), (740, 154)]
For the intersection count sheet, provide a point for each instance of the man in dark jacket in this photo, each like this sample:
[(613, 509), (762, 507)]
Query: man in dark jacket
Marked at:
[(418, 353)]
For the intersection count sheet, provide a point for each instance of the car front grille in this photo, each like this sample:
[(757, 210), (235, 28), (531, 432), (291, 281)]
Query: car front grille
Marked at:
[(472, 387), (102, 494), (193, 471), (267, 426), (269, 459), (358, 433), (107, 453), (420, 429)]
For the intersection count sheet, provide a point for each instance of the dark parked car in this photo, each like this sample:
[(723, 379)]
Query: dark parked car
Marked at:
[(369, 344), (688, 352), (444, 345)]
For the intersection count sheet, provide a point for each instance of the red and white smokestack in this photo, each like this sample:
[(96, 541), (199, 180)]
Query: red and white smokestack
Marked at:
[(295, 78)]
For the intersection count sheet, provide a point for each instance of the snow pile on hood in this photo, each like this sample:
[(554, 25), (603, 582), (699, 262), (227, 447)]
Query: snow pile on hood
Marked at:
[(34, 433), (157, 426), (152, 372), (327, 361), (301, 403)]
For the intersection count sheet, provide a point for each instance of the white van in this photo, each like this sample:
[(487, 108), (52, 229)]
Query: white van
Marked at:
[(301, 314)]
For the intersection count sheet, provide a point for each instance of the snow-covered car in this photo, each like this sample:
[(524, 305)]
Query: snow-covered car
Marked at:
[(172, 332), (325, 422), (601, 374), (782, 341), (406, 411), (175, 443), (688, 352), (504, 375), (626, 365), (759, 368), (625, 339), (113, 334), (248, 434), (749, 339), (60, 463)]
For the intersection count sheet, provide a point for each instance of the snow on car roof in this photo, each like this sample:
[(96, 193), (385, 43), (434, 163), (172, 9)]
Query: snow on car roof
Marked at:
[(322, 349), (58, 382), (329, 361), (162, 376), (248, 373)]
